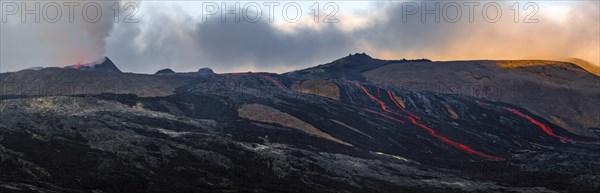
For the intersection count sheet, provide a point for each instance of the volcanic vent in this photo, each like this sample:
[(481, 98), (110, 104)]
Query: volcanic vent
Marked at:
[(102, 65)]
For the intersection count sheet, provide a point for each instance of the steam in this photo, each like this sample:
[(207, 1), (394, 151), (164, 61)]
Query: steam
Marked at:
[(62, 43)]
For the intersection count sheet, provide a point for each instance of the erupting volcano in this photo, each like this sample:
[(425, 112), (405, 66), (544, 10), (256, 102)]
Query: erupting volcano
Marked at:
[(102, 65)]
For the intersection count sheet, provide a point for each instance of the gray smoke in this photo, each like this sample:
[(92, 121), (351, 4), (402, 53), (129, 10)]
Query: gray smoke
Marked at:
[(54, 40)]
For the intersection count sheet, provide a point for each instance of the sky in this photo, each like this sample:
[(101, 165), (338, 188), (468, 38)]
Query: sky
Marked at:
[(146, 36)]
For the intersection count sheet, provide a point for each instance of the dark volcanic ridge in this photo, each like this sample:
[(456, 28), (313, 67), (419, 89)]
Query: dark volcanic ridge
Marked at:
[(200, 73), (349, 67), (338, 127), (165, 71)]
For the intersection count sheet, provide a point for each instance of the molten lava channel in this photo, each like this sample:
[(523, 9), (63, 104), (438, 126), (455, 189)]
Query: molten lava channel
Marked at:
[(429, 130)]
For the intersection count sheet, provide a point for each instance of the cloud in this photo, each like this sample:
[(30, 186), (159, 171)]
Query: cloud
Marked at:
[(183, 42), (187, 44), (572, 33), (382, 32)]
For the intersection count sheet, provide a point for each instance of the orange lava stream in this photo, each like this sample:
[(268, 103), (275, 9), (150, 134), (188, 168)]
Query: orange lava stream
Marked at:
[(429, 130)]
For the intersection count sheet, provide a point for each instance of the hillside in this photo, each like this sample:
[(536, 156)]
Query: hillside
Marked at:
[(561, 92), (263, 132)]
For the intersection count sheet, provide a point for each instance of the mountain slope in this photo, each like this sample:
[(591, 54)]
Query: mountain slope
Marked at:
[(260, 132), (561, 92), (113, 147), (59, 81)]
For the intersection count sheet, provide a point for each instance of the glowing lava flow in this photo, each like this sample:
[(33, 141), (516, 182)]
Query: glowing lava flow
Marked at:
[(77, 66), (453, 143), (544, 128), (273, 80), (382, 105), (372, 97), (482, 103), (399, 106), (431, 132)]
